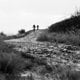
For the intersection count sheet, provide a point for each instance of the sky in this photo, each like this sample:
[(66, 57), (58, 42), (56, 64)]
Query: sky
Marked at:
[(22, 14)]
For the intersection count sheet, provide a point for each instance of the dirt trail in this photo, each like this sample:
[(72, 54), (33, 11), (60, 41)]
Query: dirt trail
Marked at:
[(58, 53), (26, 42), (29, 38)]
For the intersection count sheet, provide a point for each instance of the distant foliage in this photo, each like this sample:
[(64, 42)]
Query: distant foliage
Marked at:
[(70, 24), (77, 13), (22, 31), (2, 34)]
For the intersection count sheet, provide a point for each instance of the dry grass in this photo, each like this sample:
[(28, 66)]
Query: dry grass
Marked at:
[(10, 62), (11, 65), (68, 38)]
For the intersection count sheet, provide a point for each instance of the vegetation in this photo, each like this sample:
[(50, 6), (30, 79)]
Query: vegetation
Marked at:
[(22, 31), (35, 61), (6, 48), (2, 34), (67, 38), (11, 64), (66, 31), (43, 37), (70, 24)]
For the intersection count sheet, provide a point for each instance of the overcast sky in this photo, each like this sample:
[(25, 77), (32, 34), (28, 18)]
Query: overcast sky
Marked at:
[(18, 14)]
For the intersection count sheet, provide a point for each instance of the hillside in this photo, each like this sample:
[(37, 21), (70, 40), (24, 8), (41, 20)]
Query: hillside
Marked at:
[(70, 24), (46, 60), (66, 31)]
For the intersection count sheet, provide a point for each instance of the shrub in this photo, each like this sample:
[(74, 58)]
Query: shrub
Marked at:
[(4, 47), (11, 65), (33, 59), (43, 37), (22, 31), (2, 34)]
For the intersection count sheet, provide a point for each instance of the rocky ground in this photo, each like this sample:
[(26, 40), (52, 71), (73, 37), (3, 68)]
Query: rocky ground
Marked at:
[(61, 54)]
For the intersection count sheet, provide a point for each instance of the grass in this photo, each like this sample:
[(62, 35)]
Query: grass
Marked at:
[(4, 47), (43, 37), (35, 61), (66, 31), (11, 63), (67, 38)]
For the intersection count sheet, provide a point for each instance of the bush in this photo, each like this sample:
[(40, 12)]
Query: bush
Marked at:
[(4, 47), (43, 37), (11, 65), (2, 34), (22, 31)]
